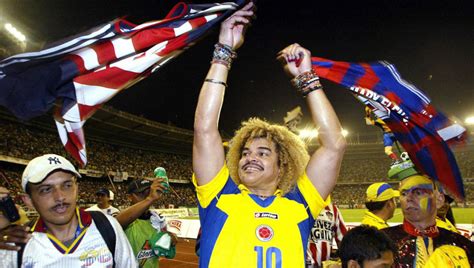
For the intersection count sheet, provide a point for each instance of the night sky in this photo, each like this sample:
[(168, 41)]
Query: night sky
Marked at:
[(431, 45)]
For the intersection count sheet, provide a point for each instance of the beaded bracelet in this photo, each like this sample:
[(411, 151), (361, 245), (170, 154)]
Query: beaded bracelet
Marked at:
[(223, 54), (316, 85), (306, 82)]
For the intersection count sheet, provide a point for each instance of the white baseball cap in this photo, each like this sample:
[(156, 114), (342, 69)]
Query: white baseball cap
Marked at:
[(40, 167)]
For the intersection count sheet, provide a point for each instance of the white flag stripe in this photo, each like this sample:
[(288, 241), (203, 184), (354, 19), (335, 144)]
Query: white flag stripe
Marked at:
[(62, 48), (62, 132), (51, 55), (76, 128), (91, 95), (210, 17), (146, 24), (404, 83), (83, 155), (186, 27), (216, 8), (89, 56), (123, 46), (140, 63), (451, 131), (73, 114)]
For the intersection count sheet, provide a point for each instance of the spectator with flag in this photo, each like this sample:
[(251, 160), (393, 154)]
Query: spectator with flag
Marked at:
[(257, 207)]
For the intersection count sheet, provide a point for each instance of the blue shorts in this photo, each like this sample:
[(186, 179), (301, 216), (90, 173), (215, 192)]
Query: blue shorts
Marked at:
[(388, 139)]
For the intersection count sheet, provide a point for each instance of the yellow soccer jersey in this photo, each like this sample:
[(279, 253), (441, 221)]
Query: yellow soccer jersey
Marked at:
[(446, 224), (371, 219), (241, 230)]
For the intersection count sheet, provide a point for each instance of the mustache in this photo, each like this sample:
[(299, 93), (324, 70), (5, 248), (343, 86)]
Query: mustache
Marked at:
[(251, 163), (60, 205)]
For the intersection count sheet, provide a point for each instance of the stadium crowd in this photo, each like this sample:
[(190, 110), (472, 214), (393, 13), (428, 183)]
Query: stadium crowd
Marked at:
[(25, 142)]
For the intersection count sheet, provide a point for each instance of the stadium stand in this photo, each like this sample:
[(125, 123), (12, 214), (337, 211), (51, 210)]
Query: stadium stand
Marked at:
[(112, 163)]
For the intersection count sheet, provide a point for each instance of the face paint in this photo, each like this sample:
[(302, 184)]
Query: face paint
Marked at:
[(416, 181), (425, 203)]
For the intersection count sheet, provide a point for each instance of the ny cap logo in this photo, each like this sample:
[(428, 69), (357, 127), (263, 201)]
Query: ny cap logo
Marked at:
[(54, 160)]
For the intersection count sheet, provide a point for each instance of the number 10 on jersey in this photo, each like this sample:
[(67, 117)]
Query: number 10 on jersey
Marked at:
[(272, 256)]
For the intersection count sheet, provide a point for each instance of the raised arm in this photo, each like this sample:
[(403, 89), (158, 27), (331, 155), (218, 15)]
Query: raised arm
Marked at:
[(323, 167), (130, 214), (208, 152)]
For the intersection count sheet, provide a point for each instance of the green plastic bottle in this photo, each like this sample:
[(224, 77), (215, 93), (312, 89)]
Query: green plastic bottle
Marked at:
[(161, 174)]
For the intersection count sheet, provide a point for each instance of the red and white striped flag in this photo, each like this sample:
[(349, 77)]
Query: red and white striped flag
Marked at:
[(89, 69)]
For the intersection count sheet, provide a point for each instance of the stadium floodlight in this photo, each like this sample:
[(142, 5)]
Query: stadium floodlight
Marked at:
[(469, 120), (15, 32), (344, 132), (308, 133)]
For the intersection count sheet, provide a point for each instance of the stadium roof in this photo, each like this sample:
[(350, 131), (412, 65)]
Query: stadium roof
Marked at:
[(117, 127)]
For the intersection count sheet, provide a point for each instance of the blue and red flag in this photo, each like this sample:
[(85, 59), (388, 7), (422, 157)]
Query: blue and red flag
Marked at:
[(85, 71), (418, 126)]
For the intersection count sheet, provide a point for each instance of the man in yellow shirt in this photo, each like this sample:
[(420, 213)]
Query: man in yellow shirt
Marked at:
[(380, 202), (257, 205)]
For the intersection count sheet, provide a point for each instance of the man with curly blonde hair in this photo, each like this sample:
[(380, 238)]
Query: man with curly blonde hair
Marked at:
[(257, 208), (292, 154)]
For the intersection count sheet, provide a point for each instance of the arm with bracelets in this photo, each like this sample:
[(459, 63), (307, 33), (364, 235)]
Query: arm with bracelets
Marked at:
[(208, 152), (324, 165)]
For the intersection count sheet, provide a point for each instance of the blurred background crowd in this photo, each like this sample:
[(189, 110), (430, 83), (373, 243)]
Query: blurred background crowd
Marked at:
[(20, 142)]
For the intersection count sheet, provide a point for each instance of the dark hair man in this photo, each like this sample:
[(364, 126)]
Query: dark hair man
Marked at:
[(444, 215), (380, 202), (143, 227), (64, 235), (103, 198), (366, 247)]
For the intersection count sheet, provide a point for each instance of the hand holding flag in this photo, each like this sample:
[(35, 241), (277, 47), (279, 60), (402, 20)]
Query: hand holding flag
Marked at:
[(418, 126), (89, 69)]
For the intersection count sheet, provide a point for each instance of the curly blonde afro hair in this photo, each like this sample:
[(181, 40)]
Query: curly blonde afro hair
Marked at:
[(292, 154)]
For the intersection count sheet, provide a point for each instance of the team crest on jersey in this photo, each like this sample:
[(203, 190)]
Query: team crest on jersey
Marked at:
[(266, 215), (264, 233)]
